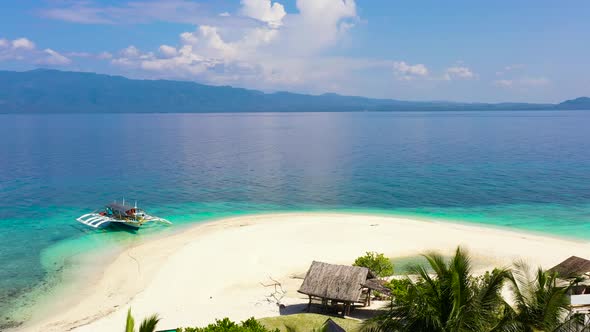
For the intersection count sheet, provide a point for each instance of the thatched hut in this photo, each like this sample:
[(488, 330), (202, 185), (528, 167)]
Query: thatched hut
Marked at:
[(572, 267), (579, 294), (339, 284)]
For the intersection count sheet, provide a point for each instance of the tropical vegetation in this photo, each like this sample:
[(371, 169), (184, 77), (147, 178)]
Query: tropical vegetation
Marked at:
[(226, 325), (539, 303), (376, 262), (448, 298), (147, 325)]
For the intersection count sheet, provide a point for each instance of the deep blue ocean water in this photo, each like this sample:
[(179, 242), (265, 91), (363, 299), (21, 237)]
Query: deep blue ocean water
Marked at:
[(527, 170)]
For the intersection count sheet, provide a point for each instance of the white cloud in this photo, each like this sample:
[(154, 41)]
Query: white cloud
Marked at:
[(168, 51), (105, 55), (130, 52), (199, 50), (23, 43), (458, 72), (77, 13), (515, 77), (79, 54), (140, 11), (319, 24), (510, 68), (188, 38), (52, 57), (91, 12), (23, 49), (265, 11), (259, 44), (522, 83), (404, 71), (285, 51), (183, 64), (503, 83), (88, 55), (212, 45)]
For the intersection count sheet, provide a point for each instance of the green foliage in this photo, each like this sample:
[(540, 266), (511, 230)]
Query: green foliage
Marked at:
[(398, 287), (451, 300), (226, 325), (130, 325), (376, 262), (539, 303), (147, 325)]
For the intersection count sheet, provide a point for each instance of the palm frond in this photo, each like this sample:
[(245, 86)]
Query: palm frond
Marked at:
[(149, 324), (489, 293), (130, 324), (541, 303), (437, 263)]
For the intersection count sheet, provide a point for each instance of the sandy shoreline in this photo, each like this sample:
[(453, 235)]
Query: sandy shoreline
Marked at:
[(215, 270)]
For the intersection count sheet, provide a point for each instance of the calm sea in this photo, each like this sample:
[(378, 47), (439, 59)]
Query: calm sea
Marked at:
[(526, 170)]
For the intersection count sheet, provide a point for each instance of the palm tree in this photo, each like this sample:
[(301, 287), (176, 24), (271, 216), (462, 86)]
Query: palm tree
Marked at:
[(147, 325), (450, 300), (539, 302)]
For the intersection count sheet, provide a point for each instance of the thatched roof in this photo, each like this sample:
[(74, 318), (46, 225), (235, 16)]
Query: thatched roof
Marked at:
[(335, 282), (377, 285), (572, 267)]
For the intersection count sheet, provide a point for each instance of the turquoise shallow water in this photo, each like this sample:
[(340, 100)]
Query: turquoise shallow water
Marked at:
[(523, 170)]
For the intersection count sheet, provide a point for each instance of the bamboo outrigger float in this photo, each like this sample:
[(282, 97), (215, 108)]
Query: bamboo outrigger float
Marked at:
[(116, 214)]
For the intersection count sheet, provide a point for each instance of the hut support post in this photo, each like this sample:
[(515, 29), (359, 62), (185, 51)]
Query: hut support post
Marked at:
[(309, 304), (369, 298), (346, 309)]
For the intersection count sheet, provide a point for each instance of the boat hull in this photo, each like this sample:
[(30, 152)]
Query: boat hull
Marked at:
[(126, 225)]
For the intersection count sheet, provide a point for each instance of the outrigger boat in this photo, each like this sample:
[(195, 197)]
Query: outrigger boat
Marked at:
[(115, 214)]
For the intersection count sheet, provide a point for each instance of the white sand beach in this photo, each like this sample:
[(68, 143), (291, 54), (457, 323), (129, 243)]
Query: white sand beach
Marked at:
[(215, 270)]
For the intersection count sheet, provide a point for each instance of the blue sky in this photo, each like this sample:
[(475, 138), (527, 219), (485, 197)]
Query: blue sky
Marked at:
[(536, 50)]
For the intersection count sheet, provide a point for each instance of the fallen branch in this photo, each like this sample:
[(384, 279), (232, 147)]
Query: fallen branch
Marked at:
[(278, 293)]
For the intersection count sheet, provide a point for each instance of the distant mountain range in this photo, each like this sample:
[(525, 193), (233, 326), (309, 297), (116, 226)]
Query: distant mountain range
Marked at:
[(53, 91)]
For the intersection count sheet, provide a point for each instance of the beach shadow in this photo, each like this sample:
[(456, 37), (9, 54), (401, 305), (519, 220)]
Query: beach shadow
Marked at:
[(364, 313), (292, 309), (357, 312)]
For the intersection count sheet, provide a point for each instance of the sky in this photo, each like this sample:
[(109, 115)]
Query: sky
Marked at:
[(455, 50)]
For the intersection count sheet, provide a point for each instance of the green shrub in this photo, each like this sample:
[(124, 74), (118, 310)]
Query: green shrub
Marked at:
[(376, 262), (226, 325), (398, 287)]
